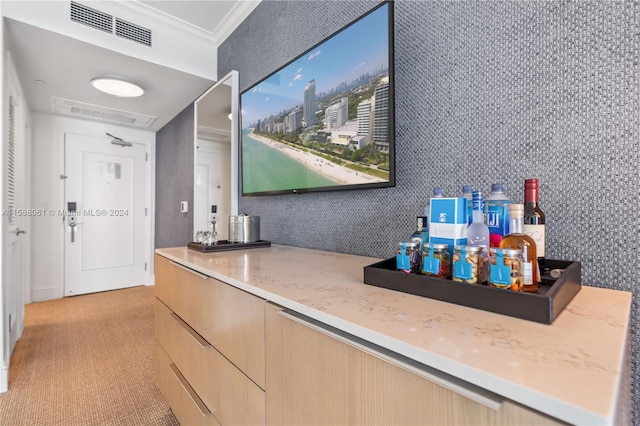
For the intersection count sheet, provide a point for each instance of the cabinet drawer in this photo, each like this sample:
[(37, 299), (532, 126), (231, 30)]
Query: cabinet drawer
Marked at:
[(183, 400), (232, 320), (178, 287), (317, 375), (230, 395)]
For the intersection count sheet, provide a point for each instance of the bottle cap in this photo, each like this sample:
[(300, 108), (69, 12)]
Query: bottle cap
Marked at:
[(438, 192), (516, 210), (467, 189), (497, 187), (531, 183)]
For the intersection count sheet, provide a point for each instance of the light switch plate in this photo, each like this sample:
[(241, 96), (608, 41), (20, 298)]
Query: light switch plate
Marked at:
[(184, 206)]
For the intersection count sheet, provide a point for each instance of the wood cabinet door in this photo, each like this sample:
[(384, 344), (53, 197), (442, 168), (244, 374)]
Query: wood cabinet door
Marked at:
[(177, 287), (317, 375), (183, 400), (232, 320)]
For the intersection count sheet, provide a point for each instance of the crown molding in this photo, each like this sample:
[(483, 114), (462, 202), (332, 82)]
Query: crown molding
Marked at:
[(239, 13), (158, 17)]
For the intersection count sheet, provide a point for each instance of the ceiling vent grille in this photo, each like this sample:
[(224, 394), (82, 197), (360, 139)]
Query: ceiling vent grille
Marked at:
[(109, 24), (100, 113), (91, 17), (133, 32)]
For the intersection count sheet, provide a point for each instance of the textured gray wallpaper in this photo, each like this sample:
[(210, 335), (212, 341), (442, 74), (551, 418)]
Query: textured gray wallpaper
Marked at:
[(174, 180), (485, 92)]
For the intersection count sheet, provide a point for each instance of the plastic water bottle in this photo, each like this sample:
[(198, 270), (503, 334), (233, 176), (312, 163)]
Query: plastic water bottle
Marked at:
[(467, 192), (497, 211), (478, 231), (437, 193)]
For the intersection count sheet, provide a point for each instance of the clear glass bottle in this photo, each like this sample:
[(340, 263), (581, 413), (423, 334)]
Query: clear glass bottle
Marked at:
[(496, 210), (534, 220), (467, 192), (435, 260), (516, 239), (422, 231), (505, 268), (478, 231)]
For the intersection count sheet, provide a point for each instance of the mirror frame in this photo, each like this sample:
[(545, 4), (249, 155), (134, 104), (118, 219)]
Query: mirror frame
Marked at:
[(233, 77)]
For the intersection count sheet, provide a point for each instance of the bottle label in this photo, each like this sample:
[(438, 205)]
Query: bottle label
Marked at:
[(403, 262), (498, 222), (527, 273), (537, 233)]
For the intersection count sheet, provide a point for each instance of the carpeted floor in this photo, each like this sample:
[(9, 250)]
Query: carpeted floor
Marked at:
[(86, 360)]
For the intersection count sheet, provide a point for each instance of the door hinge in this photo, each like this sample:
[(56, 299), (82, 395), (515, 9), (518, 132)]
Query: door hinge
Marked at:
[(146, 156), (145, 266), (145, 211), (9, 323)]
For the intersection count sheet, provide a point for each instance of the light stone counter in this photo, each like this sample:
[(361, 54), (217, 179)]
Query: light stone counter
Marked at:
[(577, 369)]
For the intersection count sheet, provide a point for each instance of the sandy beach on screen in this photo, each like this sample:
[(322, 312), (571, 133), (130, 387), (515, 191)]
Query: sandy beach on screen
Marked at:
[(318, 164)]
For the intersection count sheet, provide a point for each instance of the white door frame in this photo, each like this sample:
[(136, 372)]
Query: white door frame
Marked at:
[(126, 134)]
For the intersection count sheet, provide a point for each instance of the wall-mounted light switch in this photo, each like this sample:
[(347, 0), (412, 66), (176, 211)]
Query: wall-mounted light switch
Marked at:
[(184, 206)]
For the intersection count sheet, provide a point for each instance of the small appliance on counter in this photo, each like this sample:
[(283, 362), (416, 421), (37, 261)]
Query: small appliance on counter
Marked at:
[(244, 228)]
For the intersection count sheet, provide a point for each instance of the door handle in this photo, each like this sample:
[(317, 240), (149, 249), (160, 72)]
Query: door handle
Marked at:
[(19, 231)]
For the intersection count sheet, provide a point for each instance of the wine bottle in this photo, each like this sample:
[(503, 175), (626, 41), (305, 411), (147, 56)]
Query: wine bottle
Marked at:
[(516, 239), (534, 219)]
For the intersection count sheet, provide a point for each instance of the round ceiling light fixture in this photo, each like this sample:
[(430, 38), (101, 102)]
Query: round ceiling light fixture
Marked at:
[(117, 86)]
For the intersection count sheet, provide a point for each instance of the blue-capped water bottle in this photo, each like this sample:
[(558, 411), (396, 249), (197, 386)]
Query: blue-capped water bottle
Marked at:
[(467, 192), (497, 212)]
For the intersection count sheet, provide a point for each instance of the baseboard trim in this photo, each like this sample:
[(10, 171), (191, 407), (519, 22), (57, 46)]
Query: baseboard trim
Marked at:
[(4, 378), (44, 294)]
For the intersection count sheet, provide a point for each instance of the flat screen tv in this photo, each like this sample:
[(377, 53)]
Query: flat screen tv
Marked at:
[(325, 120)]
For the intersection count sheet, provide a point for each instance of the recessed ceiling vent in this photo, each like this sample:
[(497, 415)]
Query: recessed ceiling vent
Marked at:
[(133, 32), (110, 24), (100, 113), (91, 17)]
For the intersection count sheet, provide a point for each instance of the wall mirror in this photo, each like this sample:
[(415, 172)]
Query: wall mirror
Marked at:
[(216, 155)]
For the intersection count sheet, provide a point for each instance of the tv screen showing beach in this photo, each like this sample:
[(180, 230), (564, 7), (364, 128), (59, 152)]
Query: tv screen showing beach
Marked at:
[(324, 121)]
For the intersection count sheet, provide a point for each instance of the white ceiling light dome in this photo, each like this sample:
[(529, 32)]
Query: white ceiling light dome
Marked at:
[(117, 86)]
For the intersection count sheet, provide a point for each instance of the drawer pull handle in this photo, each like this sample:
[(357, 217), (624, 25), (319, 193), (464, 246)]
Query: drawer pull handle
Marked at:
[(459, 386), (197, 274), (192, 393), (194, 335)]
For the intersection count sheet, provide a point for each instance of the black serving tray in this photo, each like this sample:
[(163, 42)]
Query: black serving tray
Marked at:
[(543, 306), (226, 245)]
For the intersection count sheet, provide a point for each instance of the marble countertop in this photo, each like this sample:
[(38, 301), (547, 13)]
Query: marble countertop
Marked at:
[(569, 370)]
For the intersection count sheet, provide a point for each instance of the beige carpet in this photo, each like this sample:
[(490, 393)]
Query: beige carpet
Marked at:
[(86, 360)]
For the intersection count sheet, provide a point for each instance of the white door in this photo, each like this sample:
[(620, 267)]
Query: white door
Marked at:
[(15, 214), (105, 250)]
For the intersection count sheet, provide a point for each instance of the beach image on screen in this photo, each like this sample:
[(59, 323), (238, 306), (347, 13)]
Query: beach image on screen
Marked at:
[(323, 120)]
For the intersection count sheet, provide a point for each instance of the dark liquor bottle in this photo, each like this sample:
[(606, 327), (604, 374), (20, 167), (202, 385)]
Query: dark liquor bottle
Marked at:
[(534, 219)]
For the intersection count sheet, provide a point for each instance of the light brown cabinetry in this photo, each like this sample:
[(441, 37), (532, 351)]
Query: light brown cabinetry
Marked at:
[(203, 335), (317, 375)]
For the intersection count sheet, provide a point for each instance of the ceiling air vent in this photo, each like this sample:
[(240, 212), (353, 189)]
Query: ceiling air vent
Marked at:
[(133, 32), (110, 24), (100, 113), (91, 17)]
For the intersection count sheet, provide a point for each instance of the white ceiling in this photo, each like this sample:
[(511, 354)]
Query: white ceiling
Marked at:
[(66, 64)]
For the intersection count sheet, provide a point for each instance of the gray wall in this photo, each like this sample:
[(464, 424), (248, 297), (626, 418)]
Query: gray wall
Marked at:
[(174, 180), (485, 92)]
